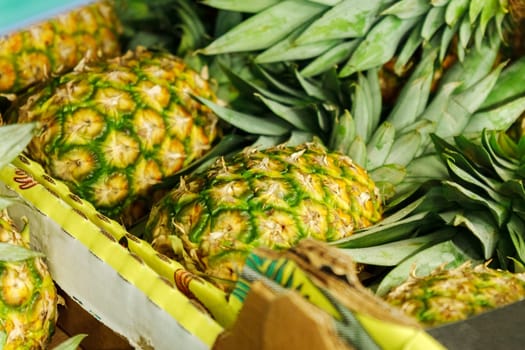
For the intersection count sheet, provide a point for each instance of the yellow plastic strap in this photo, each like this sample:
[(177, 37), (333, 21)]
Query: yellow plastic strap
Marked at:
[(390, 336)]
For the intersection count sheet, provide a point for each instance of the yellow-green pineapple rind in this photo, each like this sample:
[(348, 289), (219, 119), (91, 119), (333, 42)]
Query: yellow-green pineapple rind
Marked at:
[(28, 296), (53, 47), (452, 295), (112, 129), (272, 198)]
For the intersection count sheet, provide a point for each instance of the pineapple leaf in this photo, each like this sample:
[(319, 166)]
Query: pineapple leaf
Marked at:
[(379, 45), (408, 8), (248, 88), (265, 28), (464, 172), (418, 88), (434, 19), (272, 80), (289, 49), (391, 254), (509, 85), (465, 32), (439, 3), (464, 104), (468, 198), (490, 7), (423, 263), (71, 343), (348, 19), (299, 117), (299, 137), (412, 43), (361, 112), (515, 229), (6, 201), (385, 232), (330, 58), (502, 167), (439, 104), (263, 142), (477, 154), (426, 168), (357, 151), (343, 135), (482, 226), (327, 2), (374, 86), (314, 89), (504, 149), (474, 67), (15, 138), (455, 11), (13, 253), (446, 38), (404, 148), (475, 8), (240, 5), (270, 126), (390, 173), (498, 118), (380, 145)]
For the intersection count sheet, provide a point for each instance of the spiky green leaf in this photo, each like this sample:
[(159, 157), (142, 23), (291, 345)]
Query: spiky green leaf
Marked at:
[(391, 254), (348, 19), (13, 253), (423, 263), (14, 138), (265, 28)]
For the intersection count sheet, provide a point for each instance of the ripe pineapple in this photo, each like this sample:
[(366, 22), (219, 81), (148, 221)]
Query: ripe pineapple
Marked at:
[(55, 46), (270, 198), (28, 297), (113, 129), (452, 295)]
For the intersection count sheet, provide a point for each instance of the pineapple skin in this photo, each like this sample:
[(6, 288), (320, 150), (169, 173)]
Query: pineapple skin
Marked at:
[(112, 129), (53, 47), (28, 296), (447, 296), (261, 198)]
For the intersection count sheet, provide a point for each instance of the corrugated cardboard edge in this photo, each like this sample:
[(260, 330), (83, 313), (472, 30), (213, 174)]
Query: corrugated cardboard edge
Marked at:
[(214, 300), (90, 265)]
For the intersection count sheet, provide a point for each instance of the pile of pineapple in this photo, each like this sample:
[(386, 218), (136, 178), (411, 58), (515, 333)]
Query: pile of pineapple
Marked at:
[(391, 129)]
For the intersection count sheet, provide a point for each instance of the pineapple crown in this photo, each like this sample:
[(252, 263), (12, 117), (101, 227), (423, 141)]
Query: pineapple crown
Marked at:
[(356, 35)]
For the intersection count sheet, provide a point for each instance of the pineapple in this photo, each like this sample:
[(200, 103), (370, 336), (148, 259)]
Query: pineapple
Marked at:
[(449, 295), (55, 46), (270, 198), (28, 296), (113, 129)]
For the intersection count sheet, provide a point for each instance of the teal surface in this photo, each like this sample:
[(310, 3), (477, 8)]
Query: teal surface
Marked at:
[(17, 14)]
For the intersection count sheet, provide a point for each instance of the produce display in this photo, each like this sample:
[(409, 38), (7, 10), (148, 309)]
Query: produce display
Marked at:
[(390, 132)]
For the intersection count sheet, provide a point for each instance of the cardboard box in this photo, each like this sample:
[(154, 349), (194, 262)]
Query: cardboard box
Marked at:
[(73, 320), (90, 265)]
